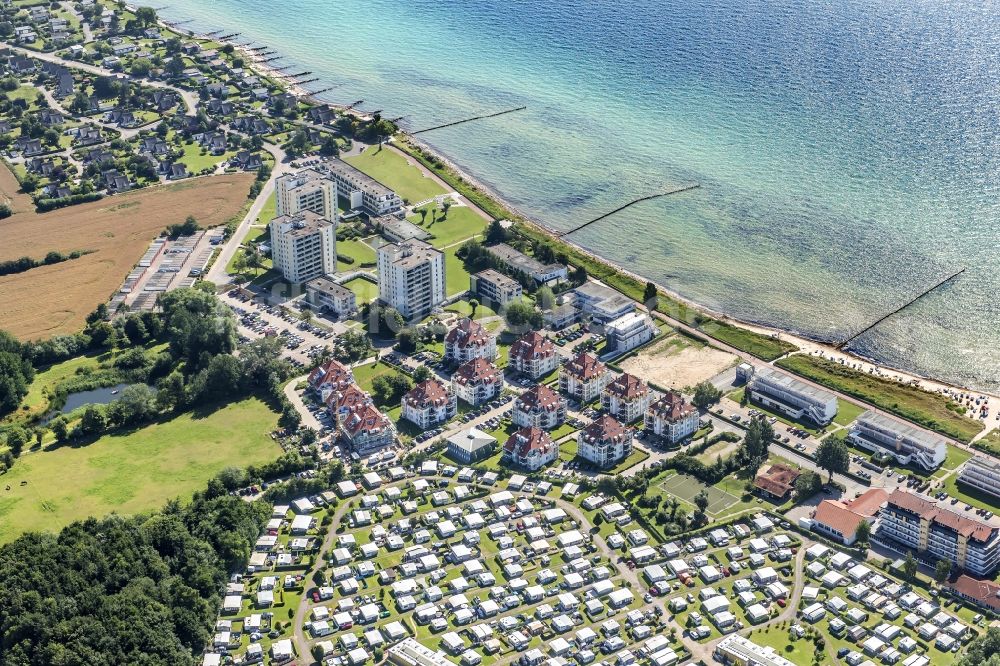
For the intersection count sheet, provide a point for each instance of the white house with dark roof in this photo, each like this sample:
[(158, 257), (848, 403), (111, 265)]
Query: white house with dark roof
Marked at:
[(534, 355), (429, 403), (477, 381)]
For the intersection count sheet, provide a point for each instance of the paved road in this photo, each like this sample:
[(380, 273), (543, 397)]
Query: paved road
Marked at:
[(217, 273)]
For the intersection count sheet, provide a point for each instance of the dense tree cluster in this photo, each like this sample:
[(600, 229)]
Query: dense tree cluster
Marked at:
[(141, 590), (16, 372), (983, 651)]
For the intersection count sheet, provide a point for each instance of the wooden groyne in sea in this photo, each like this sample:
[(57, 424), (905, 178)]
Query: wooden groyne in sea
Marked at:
[(469, 120), (676, 190), (925, 292)]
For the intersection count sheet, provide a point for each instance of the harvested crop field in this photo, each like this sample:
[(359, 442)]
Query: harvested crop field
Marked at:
[(678, 361), (54, 299)]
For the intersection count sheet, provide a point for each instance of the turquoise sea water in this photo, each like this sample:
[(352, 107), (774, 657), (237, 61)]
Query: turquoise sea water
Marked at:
[(848, 151)]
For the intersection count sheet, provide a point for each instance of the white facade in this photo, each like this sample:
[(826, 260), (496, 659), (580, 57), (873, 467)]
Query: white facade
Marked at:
[(904, 442), (477, 381), (305, 190), (584, 378), (605, 442), (361, 190), (792, 396), (630, 331), (671, 418), (534, 355), (539, 407), (322, 292), (627, 398), (983, 474), (410, 277), (429, 403), (303, 246)]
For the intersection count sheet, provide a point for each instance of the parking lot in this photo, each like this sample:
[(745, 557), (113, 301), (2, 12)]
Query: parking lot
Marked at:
[(302, 340)]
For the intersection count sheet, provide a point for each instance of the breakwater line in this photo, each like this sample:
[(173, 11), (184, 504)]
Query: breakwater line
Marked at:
[(677, 190)]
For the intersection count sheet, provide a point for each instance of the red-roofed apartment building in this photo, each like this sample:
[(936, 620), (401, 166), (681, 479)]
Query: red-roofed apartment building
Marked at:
[(626, 398), (477, 381), (331, 376), (531, 448), (914, 522), (672, 418), (539, 407), (605, 442), (534, 355), (584, 378), (839, 520), (468, 340), (429, 403), (366, 429)]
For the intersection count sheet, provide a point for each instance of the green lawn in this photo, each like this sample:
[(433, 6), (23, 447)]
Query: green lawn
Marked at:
[(847, 412), (361, 252), (365, 291), (196, 161), (135, 471), (28, 93), (392, 169), (930, 410), (955, 457), (455, 276), (461, 224), (37, 400), (270, 209), (364, 375), (463, 308), (972, 496)]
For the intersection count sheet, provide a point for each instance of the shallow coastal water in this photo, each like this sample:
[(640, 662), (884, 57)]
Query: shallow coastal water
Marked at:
[(847, 151)]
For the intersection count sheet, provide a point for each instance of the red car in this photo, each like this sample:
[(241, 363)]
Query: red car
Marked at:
[(315, 597), (782, 602)]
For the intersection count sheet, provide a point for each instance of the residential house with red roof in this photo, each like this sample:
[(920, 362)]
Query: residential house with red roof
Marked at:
[(468, 340), (539, 407), (429, 403), (605, 442), (531, 448), (343, 401), (626, 398), (330, 376), (366, 429), (477, 381), (584, 378), (777, 481), (534, 355), (671, 418)]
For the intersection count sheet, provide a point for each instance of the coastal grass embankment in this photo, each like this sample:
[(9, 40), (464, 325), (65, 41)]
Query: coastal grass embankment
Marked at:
[(930, 410), (762, 346)]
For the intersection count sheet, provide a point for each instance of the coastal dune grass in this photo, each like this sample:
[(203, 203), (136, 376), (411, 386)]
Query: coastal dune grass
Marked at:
[(931, 410), (133, 471)]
